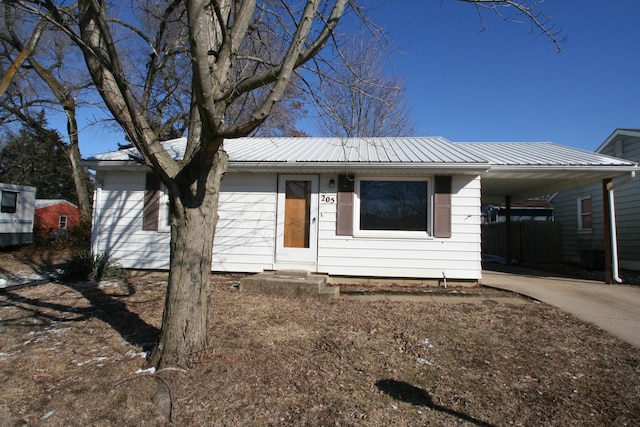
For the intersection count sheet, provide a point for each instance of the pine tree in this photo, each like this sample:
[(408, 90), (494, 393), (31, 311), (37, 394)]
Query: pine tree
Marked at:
[(34, 157)]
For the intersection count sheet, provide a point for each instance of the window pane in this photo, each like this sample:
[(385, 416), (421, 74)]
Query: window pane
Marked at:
[(393, 205), (297, 210), (586, 206), (9, 202)]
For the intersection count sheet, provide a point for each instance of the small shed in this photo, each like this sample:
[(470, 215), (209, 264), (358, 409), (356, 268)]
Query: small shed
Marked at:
[(55, 216)]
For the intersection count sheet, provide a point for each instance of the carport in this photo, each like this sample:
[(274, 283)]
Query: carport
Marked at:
[(523, 170)]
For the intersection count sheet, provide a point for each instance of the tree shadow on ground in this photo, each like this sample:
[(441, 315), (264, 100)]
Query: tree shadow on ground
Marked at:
[(416, 396), (103, 306)]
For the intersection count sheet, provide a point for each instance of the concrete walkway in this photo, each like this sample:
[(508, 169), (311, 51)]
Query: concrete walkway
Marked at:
[(614, 308)]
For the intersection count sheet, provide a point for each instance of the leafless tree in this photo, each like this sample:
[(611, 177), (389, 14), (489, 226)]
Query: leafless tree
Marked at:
[(42, 80), (359, 97), (209, 39)]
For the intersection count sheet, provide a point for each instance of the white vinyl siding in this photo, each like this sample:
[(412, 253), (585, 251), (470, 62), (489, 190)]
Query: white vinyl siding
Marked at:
[(16, 217), (428, 257), (245, 235), (244, 238), (118, 207)]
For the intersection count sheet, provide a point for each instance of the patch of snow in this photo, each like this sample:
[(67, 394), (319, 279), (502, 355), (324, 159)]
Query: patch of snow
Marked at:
[(133, 354), (23, 277), (423, 361), (95, 359), (150, 370), (2, 354), (105, 284), (47, 415), (426, 343)]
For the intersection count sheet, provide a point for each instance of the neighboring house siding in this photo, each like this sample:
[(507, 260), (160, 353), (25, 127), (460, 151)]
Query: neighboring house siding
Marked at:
[(455, 257), (16, 215), (627, 199), (627, 207), (47, 218), (565, 209)]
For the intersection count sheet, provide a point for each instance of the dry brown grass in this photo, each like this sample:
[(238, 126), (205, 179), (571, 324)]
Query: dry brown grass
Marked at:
[(70, 353)]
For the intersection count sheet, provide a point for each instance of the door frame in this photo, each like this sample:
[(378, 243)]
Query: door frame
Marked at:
[(286, 257)]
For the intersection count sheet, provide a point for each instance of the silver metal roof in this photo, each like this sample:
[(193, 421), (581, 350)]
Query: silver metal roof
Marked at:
[(326, 150), (538, 154), (515, 169)]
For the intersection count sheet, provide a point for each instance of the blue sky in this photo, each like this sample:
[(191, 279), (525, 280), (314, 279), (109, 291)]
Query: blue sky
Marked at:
[(506, 82)]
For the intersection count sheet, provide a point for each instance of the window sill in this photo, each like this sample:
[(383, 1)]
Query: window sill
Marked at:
[(392, 235)]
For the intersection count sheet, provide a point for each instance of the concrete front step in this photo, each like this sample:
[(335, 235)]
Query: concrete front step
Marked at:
[(289, 283)]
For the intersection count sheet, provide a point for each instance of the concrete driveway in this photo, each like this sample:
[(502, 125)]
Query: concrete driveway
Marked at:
[(614, 308)]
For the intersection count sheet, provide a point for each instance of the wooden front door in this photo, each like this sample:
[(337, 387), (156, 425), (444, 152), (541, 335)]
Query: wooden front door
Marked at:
[(297, 219)]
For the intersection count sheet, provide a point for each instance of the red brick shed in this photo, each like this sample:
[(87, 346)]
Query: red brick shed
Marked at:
[(53, 216)]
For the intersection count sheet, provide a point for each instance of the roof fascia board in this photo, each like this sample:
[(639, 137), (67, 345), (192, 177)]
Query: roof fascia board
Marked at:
[(615, 134)]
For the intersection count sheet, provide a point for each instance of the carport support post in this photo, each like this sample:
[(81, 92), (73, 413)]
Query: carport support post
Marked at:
[(608, 272), (509, 252)]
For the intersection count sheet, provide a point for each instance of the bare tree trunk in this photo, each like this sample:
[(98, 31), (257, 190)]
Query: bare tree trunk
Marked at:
[(193, 222), (84, 202)]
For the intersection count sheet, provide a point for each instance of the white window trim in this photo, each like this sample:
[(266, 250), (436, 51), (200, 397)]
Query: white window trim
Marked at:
[(163, 211), (393, 234), (62, 226), (581, 228)]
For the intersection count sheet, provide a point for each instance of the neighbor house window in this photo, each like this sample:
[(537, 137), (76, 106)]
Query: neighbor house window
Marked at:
[(62, 222), (585, 217), (9, 202), (392, 205)]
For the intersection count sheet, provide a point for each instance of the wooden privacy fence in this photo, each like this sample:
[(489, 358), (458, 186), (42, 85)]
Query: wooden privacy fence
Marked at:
[(533, 242)]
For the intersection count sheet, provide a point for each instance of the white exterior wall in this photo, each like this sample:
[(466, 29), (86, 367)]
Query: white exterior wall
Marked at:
[(245, 236), (17, 227), (244, 240), (117, 223), (457, 257)]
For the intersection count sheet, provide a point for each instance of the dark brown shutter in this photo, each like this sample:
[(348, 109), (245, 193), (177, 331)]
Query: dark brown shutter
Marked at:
[(442, 207), (344, 217), (151, 208)]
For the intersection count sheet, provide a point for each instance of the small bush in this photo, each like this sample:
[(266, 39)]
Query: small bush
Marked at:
[(88, 266), (76, 238)]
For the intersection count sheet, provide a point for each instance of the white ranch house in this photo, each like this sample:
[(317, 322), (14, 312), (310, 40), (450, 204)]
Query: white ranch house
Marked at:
[(374, 207)]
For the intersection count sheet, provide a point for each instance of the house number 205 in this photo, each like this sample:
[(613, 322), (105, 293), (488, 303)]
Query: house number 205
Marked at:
[(325, 198)]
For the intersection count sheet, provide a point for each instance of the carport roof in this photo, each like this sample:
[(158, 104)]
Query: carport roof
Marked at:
[(515, 169)]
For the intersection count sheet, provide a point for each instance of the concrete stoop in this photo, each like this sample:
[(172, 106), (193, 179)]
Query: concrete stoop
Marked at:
[(290, 283)]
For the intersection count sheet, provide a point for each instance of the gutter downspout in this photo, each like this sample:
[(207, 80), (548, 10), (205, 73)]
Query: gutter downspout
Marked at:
[(612, 224), (614, 239)]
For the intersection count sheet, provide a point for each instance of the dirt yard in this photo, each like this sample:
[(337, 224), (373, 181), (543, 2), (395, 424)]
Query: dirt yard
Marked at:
[(75, 355)]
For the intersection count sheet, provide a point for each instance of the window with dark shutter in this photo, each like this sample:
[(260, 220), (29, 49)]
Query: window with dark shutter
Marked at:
[(151, 208), (442, 207), (344, 214)]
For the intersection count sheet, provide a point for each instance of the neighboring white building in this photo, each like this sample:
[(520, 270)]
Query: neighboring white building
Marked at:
[(392, 207), (16, 214)]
